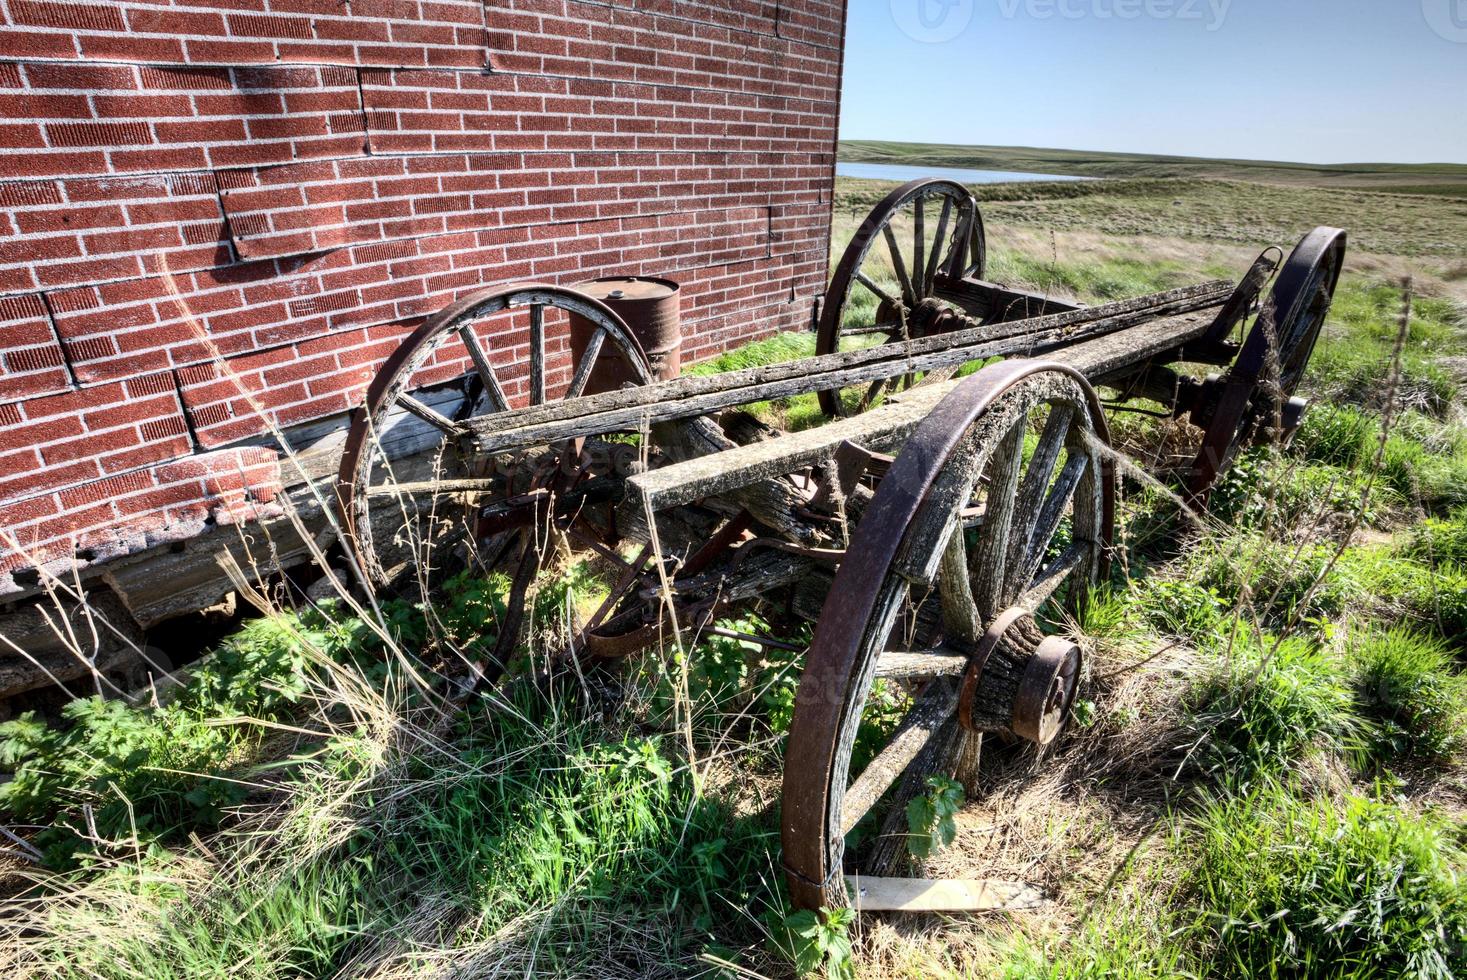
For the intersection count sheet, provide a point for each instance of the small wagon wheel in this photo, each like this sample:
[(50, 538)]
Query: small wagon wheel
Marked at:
[(1253, 400), (411, 482), (967, 537), (932, 234)]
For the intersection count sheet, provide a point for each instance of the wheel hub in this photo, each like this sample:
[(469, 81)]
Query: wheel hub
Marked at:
[(1019, 681)]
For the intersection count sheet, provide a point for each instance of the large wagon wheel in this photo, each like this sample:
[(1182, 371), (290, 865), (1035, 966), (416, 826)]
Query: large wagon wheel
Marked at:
[(1254, 400), (916, 259), (967, 537), (414, 494)]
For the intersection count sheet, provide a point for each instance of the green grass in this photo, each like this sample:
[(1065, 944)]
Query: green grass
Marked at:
[(1289, 886), (771, 350), (1269, 706), (1402, 178), (533, 813), (1098, 281), (1409, 684)]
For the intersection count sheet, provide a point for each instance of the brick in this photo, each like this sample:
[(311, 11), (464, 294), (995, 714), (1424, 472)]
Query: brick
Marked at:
[(669, 137), (151, 119), (125, 227), (448, 33), (31, 361)]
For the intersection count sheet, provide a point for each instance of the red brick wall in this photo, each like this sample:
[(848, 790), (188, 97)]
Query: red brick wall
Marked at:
[(208, 198)]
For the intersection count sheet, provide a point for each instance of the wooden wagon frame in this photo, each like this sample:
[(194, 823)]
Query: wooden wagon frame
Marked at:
[(922, 529)]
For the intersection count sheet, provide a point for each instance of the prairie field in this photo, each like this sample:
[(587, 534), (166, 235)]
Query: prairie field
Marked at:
[(1265, 773)]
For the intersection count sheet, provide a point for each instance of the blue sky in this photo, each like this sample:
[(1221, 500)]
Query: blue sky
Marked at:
[(1320, 81)]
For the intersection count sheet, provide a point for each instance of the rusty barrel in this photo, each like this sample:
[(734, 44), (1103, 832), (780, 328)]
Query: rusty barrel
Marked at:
[(650, 307)]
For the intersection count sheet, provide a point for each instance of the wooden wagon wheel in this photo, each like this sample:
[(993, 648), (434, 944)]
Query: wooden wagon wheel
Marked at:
[(1254, 400), (411, 483), (915, 261), (967, 536)]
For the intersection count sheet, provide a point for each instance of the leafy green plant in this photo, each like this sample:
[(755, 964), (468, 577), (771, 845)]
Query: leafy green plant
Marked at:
[(1178, 607), (1441, 541), (930, 824), (815, 941), (117, 772), (1282, 583), (718, 670), (112, 772)]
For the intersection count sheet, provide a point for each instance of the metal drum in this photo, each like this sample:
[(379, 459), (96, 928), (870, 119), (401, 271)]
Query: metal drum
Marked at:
[(650, 308)]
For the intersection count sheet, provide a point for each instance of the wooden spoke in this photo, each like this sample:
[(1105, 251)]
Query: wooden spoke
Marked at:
[(588, 363), (484, 369), (1036, 482), (1047, 582), (909, 295), (429, 415), (881, 294), (991, 555), (919, 239), (935, 705), (956, 257), (514, 604), (537, 354), (1049, 516), (937, 243), (432, 487), (885, 329), (939, 662), (960, 617)]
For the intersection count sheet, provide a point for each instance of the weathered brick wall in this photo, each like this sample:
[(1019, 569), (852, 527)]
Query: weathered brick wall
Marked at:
[(214, 208)]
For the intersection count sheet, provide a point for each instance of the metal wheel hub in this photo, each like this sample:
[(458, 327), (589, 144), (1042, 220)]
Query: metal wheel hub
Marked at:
[(1041, 676), (1047, 690)]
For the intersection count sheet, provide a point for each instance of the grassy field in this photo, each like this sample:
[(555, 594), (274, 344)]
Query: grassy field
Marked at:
[(1266, 774), (1448, 179)]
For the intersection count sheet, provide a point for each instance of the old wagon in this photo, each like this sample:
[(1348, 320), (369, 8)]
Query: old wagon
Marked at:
[(932, 530)]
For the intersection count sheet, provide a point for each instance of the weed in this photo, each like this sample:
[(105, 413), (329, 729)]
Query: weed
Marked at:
[(816, 941), (115, 773), (1337, 435), (1177, 607), (1278, 582), (1441, 541), (1120, 945), (930, 823)]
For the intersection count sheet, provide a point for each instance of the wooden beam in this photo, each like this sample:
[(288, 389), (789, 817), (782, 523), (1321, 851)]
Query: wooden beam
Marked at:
[(637, 407), (884, 427)]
